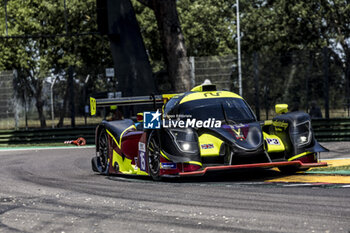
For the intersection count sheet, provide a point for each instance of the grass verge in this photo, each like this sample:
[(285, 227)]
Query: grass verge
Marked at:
[(338, 168), (332, 170), (58, 144)]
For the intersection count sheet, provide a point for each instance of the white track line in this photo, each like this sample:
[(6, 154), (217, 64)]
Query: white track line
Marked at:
[(295, 185), (45, 148), (334, 159)]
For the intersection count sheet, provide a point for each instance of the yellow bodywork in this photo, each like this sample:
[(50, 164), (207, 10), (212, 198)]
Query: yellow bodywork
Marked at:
[(194, 163), (206, 139), (267, 122), (189, 162), (281, 108), (92, 106), (164, 155), (280, 125), (167, 97), (197, 88), (124, 163), (121, 135), (209, 95), (274, 143), (300, 155)]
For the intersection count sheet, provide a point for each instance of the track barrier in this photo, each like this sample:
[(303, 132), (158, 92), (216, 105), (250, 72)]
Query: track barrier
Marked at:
[(330, 130), (40, 136), (326, 130)]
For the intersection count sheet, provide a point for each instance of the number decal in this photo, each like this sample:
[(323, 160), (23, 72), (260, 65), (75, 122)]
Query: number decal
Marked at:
[(212, 94), (142, 156), (273, 141), (142, 161)]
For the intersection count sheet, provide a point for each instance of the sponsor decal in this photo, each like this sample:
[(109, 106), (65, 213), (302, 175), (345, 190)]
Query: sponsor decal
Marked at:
[(142, 146), (207, 146), (280, 124), (273, 141), (142, 156), (168, 165)]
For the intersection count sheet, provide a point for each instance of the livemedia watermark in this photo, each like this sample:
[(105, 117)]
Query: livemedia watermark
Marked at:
[(152, 120)]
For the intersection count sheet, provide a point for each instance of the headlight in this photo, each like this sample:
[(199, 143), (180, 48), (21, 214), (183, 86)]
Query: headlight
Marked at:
[(301, 134), (303, 139), (186, 146), (185, 140)]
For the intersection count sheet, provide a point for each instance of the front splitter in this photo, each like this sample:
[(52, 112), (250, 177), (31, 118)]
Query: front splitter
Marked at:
[(298, 164)]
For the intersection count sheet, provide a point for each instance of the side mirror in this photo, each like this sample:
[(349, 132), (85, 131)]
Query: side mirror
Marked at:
[(139, 117), (281, 108)]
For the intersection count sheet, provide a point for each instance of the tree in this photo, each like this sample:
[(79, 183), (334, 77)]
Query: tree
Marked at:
[(174, 50), (337, 34), (209, 26), (26, 55), (45, 55), (281, 26), (291, 35)]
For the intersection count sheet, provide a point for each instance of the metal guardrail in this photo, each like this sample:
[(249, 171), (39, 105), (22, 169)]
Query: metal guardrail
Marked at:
[(35, 136), (328, 130), (325, 130)]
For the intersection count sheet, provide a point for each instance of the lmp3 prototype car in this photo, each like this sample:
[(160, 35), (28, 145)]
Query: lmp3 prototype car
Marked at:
[(199, 131)]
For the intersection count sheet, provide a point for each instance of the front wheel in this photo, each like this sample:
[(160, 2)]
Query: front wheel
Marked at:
[(153, 146)]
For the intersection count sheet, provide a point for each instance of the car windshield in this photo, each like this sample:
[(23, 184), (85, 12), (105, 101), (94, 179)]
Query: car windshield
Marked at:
[(235, 109), (169, 107)]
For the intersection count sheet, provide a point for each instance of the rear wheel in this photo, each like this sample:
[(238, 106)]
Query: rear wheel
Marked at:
[(153, 146), (102, 155)]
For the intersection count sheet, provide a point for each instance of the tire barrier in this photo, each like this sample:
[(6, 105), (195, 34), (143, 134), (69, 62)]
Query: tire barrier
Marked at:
[(79, 142)]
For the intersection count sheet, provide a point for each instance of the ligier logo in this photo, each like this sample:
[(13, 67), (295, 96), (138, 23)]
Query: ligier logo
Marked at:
[(239, 131), (151, 120)]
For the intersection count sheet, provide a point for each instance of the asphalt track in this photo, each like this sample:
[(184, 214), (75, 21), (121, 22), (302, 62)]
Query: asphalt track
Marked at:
[(56, 191)]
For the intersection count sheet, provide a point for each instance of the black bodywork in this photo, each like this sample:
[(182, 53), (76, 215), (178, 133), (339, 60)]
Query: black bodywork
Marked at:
[(290, 127)]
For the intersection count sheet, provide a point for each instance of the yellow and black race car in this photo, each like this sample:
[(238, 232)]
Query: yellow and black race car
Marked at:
[(199, 131)]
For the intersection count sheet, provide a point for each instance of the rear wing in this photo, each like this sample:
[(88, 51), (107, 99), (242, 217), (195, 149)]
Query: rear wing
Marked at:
[(129, 101)]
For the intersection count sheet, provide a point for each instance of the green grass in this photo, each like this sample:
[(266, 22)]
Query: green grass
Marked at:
[(330, 169), (338, 170)]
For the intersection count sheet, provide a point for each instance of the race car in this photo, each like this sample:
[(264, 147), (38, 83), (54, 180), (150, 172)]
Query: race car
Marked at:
[(202, 130)]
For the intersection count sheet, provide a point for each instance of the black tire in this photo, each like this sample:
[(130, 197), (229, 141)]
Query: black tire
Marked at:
[(153, 146), (94, 164), (101, 161)]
